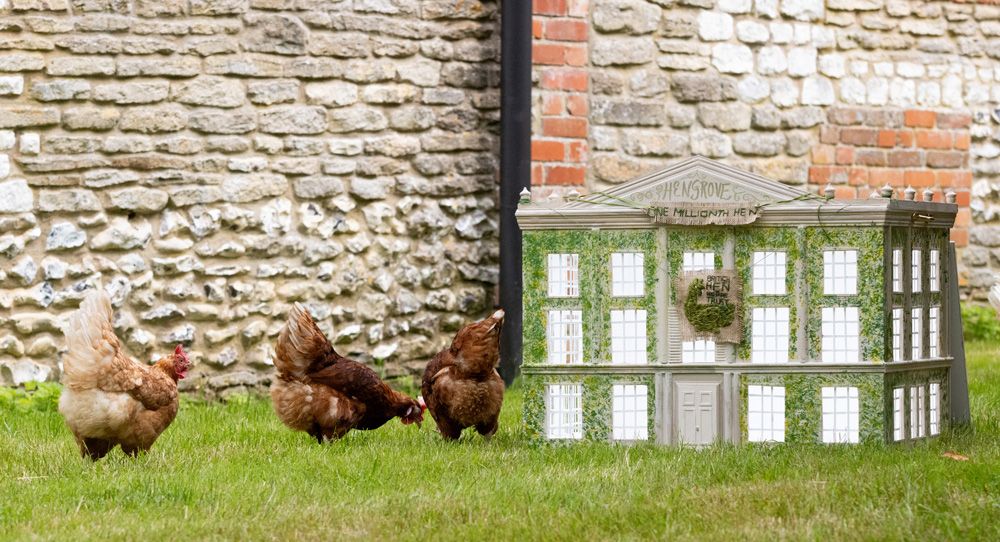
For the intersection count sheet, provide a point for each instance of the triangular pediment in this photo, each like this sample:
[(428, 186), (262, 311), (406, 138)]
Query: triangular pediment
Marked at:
[(698, 180)]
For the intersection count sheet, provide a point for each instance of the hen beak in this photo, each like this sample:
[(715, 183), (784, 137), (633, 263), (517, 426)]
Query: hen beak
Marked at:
[(497, 319)]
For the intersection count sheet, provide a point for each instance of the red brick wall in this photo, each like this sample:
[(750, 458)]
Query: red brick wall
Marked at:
[(863, 149), (559, 53)]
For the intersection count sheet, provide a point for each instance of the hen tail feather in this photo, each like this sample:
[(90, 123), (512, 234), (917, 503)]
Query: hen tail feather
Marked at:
[(90, 340), (301, 343)]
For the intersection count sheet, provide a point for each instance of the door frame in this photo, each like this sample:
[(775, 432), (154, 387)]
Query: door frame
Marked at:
[(673, 412)]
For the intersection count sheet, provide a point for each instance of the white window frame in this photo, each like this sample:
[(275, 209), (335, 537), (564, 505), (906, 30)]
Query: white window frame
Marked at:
[(629, 412), (698, 351), (841, 337), (916, 333), (769, 335), (933, 331), (564, 275), (935, 413), (628, 336), (916, 264), (917, 411), (627, 274), (897, 270), (564, 336), (840, 272), (898, 431), (698, 261), (934, 271), (841, 414), (897, 334), (564, 411), (765, 413), (768, 272)]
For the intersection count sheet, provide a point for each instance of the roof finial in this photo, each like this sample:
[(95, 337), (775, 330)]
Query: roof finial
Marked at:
[(572, 195), (829, 192), (886, 191), (928, 194), (950, 197), (910, 193), (525, 195)]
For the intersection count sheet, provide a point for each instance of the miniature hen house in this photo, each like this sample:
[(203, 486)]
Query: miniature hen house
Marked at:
[(702, 303)]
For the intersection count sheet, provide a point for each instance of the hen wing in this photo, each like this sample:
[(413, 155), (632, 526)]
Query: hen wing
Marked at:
[(438, 368)]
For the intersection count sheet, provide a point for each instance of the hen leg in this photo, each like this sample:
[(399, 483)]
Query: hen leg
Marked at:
[(449, 429), (316, 432), (133, 450), (487, 429), (95, 448)]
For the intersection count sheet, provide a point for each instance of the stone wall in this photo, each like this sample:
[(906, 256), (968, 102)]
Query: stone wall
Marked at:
[(854, 93), (209, 162)]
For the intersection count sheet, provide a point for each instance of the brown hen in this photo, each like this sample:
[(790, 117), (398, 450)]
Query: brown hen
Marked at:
[(461, 386), (108, 399), (325, 394)]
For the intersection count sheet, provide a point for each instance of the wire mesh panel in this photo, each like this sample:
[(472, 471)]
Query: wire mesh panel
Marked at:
[(769, 335), (840, 335), (565, 336), (628, 336), (564, 411), (840, 414), (627, 274), (768, 273), (766, 413), (629, 412), (564, 275), (840, 272)]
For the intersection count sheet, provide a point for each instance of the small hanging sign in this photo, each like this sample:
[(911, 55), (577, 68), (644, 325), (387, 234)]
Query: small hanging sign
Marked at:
[(709, 305), (702, 214)]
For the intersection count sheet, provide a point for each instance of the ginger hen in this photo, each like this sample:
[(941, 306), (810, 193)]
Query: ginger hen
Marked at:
[(461, 386), (108, 399), (325, 394)]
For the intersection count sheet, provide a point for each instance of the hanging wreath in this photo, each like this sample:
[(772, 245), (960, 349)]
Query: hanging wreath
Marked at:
[(707, 318)]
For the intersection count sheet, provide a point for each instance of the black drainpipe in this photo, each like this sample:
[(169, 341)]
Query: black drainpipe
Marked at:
[(515, 169)]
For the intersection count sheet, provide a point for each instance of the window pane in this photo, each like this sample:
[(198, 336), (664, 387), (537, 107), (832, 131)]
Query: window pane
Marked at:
[(628, 336), (563, 275), (627, 274)]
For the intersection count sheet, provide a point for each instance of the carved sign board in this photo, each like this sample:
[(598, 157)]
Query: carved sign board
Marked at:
[(709, 305), (692, 213), (699, 187)]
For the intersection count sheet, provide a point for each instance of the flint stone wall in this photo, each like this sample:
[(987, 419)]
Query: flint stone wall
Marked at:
[(210, 162)]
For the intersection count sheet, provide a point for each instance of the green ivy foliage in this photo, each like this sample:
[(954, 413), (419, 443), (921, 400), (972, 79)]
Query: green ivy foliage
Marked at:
[(33, 396), (756, 239), (597, 399), (594, 249), (804, 403), (870, 299), (980, 323)]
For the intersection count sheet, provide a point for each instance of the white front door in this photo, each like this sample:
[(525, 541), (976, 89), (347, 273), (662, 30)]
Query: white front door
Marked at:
[(697, 413)]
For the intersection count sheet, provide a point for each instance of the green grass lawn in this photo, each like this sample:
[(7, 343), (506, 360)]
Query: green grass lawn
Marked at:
[(234, 472)]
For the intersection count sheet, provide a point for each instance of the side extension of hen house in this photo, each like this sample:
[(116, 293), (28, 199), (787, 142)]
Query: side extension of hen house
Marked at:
[(702, 303)]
